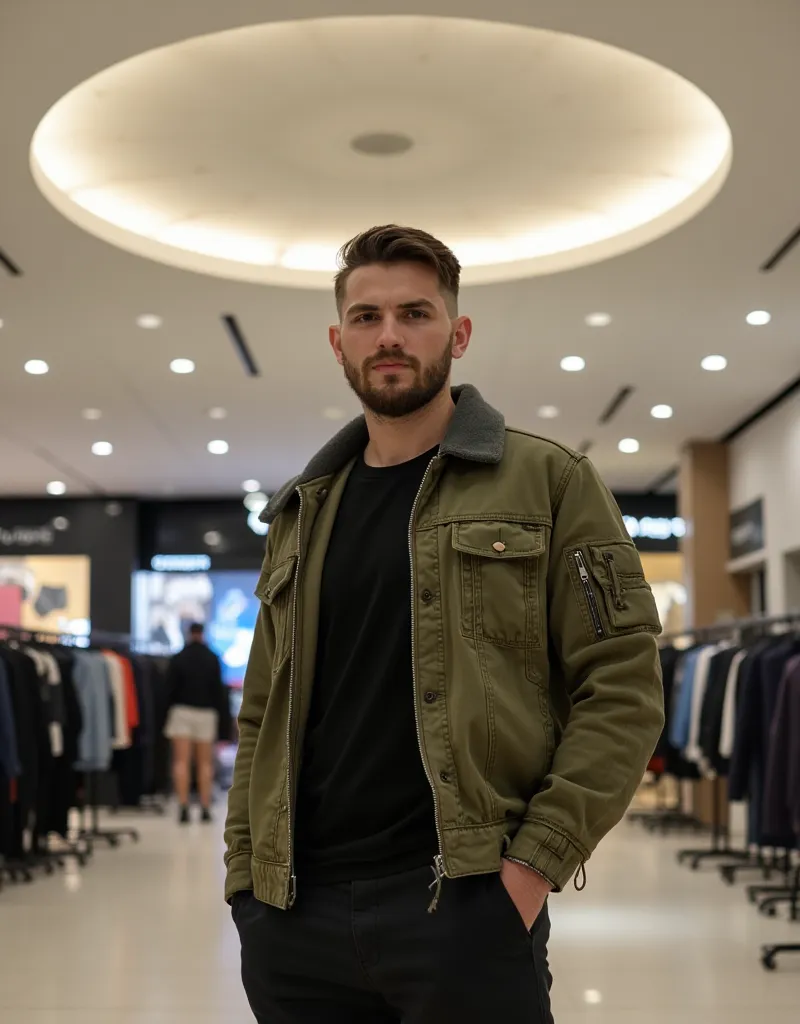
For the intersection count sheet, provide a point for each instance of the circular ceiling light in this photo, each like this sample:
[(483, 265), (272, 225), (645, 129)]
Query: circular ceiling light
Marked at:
[(661, 412), (91, 414), (758, 318), (61, 523), (218, 413), (102, 448), (149, 321), (56, 488), (251, 486), (218, 447), (182, 366), (36, 367), (714, 363), (548, 412), (382, 143), (213, 538), (629, 445), (573, 364), (598, 320), (666, 147)]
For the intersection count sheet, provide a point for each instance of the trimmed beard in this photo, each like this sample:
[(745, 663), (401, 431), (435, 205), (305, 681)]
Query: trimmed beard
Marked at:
[(392, 401)]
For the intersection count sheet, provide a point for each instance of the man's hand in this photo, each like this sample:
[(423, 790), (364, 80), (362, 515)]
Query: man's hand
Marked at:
[(527, 889)]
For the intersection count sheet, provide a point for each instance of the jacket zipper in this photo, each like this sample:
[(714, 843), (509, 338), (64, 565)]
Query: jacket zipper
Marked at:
[(616, 583), (289, 795), (439, 872), (591, 600)]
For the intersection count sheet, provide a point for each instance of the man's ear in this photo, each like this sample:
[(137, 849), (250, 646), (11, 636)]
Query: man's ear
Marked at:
[(462, 332), (335, 339)]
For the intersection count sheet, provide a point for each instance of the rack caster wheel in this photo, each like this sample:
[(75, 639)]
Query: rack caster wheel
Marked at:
[(113, 841), (771, 912), (768, 962), (727, 875)]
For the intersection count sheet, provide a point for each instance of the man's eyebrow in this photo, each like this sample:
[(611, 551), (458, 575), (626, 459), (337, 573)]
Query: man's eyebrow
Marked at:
[(368, 307)]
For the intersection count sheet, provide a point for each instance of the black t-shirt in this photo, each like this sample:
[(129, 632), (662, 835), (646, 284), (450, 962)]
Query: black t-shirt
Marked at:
[(364, 804)]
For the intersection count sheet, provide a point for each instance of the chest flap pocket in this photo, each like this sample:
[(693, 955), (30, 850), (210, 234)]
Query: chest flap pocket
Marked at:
[(274, 590), (501, 582)]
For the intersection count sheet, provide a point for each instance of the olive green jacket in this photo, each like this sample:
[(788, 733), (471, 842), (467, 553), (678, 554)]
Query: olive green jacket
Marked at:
[(536, 684)]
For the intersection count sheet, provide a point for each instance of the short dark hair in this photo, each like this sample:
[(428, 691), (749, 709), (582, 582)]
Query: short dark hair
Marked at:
[(393, 244), (196, 628)]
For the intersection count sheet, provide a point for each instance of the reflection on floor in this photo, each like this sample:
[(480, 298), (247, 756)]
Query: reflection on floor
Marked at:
[(142, 936)]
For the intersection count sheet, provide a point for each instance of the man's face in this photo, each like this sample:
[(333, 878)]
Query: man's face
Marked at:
[(397, 340)]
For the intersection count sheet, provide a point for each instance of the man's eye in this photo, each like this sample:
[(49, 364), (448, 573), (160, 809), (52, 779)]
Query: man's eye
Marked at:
[(365, 318), (417, 314)]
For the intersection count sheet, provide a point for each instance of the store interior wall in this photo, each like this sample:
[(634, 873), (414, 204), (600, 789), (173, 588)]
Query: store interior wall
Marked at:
[(765, 464)]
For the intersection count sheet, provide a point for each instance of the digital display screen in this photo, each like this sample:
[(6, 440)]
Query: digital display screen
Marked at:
[(165, 604)]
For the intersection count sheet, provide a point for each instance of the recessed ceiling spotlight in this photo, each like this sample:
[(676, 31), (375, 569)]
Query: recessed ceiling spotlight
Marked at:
[(1, 324), (102, 448), (149, 321), (661, 412), (251, 486), (56, 488), (598, 320), (36, 367), (213, 538), (573, 364), (548, 412), (92, 414), (218, 413), (182, 366), (758, 318), (714, 363), (218, 447), (629, 445), (333, 413)]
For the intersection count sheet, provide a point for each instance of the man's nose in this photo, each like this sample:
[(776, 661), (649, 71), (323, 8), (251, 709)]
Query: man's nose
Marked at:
[(390, 334)]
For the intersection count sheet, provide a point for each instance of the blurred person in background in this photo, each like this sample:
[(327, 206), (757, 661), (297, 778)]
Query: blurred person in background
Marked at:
[(199, 715)]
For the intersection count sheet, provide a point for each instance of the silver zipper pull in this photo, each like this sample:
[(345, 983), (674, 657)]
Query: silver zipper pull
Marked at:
[(583, 572), (436, 884), (292, 891)]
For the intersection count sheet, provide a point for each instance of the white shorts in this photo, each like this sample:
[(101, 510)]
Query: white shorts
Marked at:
[(196, 724)]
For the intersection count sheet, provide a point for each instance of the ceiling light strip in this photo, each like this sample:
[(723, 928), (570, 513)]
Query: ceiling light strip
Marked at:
[(781, 252), (13, 269), (240, 344), (761, 411), (616, 404)]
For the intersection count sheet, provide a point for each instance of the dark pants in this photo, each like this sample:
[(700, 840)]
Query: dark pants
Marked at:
[(370, 953)]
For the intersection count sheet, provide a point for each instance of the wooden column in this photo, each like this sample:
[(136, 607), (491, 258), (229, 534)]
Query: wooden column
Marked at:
[(713, 593)]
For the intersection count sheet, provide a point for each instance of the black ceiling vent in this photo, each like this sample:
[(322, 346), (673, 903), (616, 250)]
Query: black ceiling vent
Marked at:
[(616, 404), (781, 252), (11, 268), (241, 346)]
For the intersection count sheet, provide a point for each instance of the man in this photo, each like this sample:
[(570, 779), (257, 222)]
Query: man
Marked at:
[(199, 714), (453, 686)]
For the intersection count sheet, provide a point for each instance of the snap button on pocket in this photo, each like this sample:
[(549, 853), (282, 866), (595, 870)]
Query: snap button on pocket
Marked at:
[(444, 776), (499, 546), (427, 596), (431, 697)]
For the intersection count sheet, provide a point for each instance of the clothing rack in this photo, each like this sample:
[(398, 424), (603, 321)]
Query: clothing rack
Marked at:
[(90, 832), (766, 859)]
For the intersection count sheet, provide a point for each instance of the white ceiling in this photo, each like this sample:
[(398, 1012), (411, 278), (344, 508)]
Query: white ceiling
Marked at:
[(675, 300)]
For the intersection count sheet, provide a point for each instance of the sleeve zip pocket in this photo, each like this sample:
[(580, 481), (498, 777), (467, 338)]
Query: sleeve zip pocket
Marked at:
[(589, 594)]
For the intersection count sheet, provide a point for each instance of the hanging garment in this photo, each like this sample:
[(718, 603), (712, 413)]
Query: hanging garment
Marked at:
[(692, 751), (93, 687), (728, 727), (782, 787), (711, 763)]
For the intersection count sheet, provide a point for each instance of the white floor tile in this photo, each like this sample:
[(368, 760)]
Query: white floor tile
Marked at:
[(142, 936)]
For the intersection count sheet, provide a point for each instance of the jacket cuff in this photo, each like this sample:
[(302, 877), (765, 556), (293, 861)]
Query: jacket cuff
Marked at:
[(240, 875), (546, 848)]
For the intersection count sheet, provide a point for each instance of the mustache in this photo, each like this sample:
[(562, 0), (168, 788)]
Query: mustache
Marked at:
[(391, 357)]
